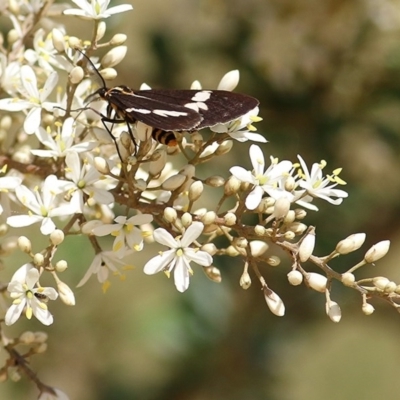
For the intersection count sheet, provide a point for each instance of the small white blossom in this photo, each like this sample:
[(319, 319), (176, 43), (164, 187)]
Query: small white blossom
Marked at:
[(85, 181), (125, 232), (34, 99), (59, 395), (179, 256), (101, 266), (28, 295), (317, 186), (42, 205), (96, 9), (241, 129), (262, 180), (62, 143)]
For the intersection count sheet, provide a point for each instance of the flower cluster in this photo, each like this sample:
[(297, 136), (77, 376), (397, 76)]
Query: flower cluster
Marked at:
[(68, 164)]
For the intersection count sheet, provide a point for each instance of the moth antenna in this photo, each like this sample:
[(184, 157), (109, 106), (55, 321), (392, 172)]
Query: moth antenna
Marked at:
[(93, 67)]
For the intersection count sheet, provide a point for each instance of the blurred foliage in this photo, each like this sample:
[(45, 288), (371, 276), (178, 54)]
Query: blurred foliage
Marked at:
[(327, 75)]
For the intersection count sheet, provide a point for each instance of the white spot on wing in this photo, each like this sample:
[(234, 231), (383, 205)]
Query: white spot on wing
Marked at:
[(168, 113), (197, 106), (139, 110), (201, 96)]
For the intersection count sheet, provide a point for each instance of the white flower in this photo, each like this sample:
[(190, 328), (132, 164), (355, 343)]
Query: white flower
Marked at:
[(84, 185), (125, 232), (7, 183), (241, 129), (63, 143), (180, 255), (101, 265), (28, 295), (42, 204), (43, 52), (96, 9), (35, 99), (262, 180), (317, 186)]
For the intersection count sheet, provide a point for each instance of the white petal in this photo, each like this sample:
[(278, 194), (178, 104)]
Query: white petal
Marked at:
[(119, 9), (181, 275), (14, 104), (164, 237), (257, 159), (18, 221), (242, 174), (48, 226), (159, 263), (192, 233), (49, 86), (32, 120), (28, 79), (14, 312), (199, 257), (254, 198)]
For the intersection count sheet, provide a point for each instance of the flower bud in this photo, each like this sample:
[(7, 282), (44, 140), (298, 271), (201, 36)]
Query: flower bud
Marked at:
[(8, 245), (108, 74), (41, 337), (377, 251), (380, 282), (273, 261), (210, 248), (290, 217), (174, 182), (333, 311), (307, 246), (101, 30), (209, 218), (57, 237), (368, 309), (259, 230), (27, 337), (232, 186), (258, 248), (170, 214), (316, 281), (231, 251), (66, 294), (114, 56), (158, 162), (38, 259), (290, 184), (58, 40), (274, 302), (76, 75), (101, 165), (300, 213), (6, 122), (245, 280), (12, 36), (41, 348), (351, 243), (61, 266), (224, 147), (348, 279), (118, 39), (24, 244), (289, 235), (297, 228), (215, 181), (229, 81), (213, 274), (295, 277), (196, 190), (74, 42), (230, 219), (186, 219), (281, 207), (241, 242)]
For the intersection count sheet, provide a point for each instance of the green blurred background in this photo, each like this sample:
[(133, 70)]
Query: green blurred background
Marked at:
[(327, 73)]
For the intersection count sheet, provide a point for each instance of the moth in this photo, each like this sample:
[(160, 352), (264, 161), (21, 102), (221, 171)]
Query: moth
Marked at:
[(168, 111)]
